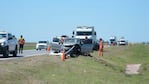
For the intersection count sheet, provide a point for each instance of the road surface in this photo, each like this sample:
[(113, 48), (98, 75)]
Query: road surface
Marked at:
[(26, 53)]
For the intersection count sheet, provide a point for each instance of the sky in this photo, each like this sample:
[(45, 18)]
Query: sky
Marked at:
[(43, 19)]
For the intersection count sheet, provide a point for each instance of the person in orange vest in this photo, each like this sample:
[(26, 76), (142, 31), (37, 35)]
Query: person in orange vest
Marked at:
[(101, 46), (21, 42)]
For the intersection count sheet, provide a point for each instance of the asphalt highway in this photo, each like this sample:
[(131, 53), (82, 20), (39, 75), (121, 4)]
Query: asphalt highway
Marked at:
[(26, 53)]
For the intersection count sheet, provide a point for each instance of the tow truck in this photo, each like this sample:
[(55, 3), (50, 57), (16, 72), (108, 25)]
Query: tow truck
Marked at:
[(88, 32)]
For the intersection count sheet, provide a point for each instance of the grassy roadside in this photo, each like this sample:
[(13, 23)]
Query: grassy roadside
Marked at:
[(29, 46), (81, 70)]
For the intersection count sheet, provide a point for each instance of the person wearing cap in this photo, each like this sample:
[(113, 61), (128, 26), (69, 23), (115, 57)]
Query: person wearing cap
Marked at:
[(101, 46), (21, 42)]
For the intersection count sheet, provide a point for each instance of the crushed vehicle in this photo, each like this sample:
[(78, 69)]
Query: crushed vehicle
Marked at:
[(8, 44), (72, 46), (42, 45), (76, 46)]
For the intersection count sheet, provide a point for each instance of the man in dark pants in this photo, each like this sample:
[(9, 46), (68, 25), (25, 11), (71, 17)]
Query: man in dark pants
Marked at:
[(21, 44)]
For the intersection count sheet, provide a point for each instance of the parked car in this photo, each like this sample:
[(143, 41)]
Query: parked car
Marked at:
[(8, 44), (56, 44), (42, 45)]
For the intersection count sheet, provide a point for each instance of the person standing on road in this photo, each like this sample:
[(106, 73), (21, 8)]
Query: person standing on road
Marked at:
[(101, 46), (21, 44)]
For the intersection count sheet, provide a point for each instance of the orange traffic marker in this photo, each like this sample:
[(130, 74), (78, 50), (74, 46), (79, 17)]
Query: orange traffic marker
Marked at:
[(48, 49), (63, 56)]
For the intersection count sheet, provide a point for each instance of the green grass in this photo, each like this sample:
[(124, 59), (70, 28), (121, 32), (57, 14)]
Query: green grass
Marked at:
[(81, 70), (29, 46)]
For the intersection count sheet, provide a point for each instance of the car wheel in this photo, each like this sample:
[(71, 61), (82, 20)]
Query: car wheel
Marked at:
[(77, 50), (6, 52), (15, 52), (71, 55)]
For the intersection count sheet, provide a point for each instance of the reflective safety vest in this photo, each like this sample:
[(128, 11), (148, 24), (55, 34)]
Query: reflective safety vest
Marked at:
[(101, 45), (21, 41)]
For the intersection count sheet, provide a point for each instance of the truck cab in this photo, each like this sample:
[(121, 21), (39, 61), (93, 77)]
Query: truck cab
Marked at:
[(8, 44), (83, 32), (42, 45), (113, 40)]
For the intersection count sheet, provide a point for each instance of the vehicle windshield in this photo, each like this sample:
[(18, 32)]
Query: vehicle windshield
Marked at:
[(84, 33), (122, 41), (69, 41), (56, 40), (2, 36), (87, 41), (112, 39), (42, 42)]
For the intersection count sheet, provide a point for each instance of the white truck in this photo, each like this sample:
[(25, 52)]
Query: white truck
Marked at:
[(42, 45), (8, 44), (122, 41), (113, 40), (83, 32)]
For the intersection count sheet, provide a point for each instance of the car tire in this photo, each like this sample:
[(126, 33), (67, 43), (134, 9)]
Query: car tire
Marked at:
[(6, 52), (71, 54), (15, 52), (77, 50)]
